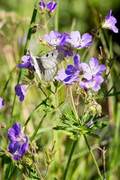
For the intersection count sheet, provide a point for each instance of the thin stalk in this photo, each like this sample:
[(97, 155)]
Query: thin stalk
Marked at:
[(38, 127), (75, 142), (102, 37), (33, 18), (73, 104), (69, 159), (93, 157), (35, 109), (43, 91), (7, 82), (56, 18)]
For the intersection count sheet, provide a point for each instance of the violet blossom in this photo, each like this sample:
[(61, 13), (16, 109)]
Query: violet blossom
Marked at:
[(92, 68), (59, 40), (42, 5), (1, 103), (18, 144), (20, 90), (50, 6), (92, 75), (55, 38), (26, 62), (110, 22), (94, 83)]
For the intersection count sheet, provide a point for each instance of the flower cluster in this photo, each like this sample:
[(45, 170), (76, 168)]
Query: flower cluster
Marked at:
[(50, 6), (67, 42), (89, 76), (19, 144)]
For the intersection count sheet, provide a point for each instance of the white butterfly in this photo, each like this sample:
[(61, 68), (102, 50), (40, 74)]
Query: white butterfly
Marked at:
[(46, 66)]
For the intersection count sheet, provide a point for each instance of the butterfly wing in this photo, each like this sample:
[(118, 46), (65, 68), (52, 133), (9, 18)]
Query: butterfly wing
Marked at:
[(49, 74), (46, 66)]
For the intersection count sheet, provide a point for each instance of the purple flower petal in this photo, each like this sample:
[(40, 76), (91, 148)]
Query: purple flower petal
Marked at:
[(86, 71), (24, 147), (51, 6), (14, 131), (71, 73), (70, 69), (13, 146), (16, 157), (75, 39), (26, 62), (92, 75), (86, 40), (42, 5), (80, 42), (61, 75), (1, 103), (53, 38), (94, 83), (20, 91), (92, 69), (95, 67)]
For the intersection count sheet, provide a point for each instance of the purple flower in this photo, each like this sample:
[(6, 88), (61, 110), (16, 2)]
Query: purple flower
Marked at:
[(42, 4), (78, 41), (50, 6), (71, 73), (54, 38), (26, 62), (92, 74), (1, 103), (19, 144), (93, 83), (20, 91), (110, 22), (92, 69)]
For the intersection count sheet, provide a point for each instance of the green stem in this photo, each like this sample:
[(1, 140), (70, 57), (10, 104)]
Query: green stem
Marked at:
[(69, 159), (38, 127), (56, 18), (35, 109), (103, 41), (33, 18), (7, 82), (95, 162), (75, 142), (73, 104)]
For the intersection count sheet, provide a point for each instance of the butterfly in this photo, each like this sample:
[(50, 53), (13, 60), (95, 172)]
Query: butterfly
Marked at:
[(46, 66)]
